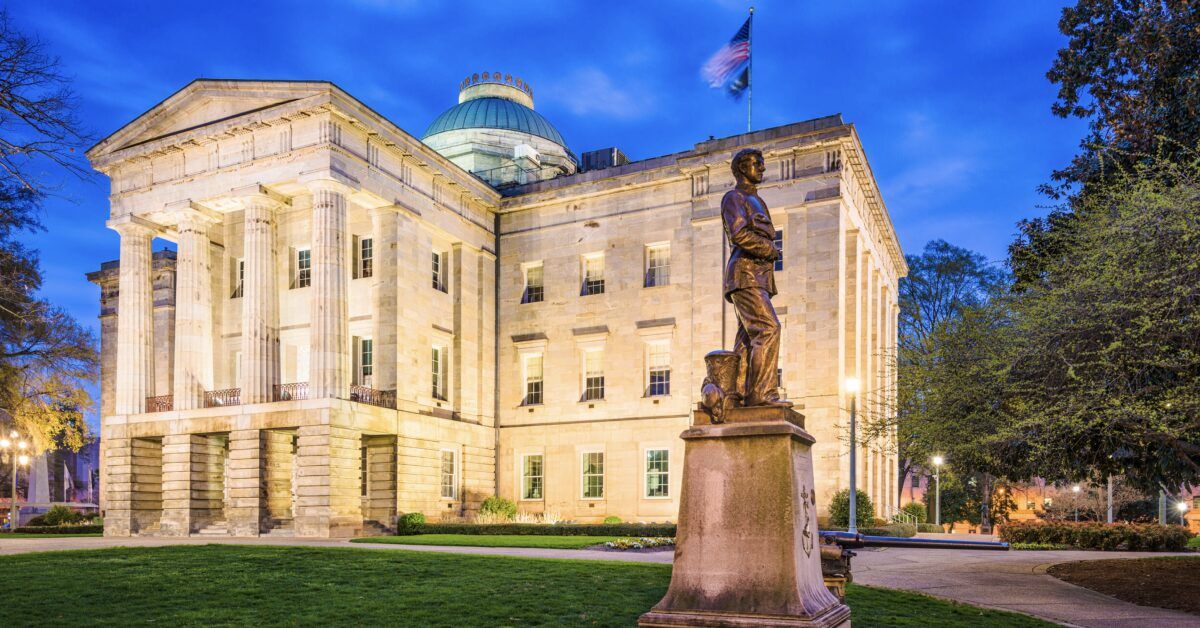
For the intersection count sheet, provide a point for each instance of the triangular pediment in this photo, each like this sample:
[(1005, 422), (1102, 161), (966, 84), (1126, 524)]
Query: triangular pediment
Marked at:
[(206, 102)]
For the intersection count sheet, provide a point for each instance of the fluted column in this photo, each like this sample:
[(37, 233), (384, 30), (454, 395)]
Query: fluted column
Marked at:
[(329, 357), (135, 317), (384, 295), (260, 302), (193, 312)]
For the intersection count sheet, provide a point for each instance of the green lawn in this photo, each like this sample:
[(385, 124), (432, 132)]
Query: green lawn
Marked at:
[(26, 535), (491, 540), (189, 585)]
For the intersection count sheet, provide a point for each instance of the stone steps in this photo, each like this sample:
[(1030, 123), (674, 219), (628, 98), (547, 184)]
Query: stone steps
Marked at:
[(216, 528), (279, 527)]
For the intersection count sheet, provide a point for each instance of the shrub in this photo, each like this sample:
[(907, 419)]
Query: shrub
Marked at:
[(499, 506), (1038, 546), (929, 527), (1135, 537), (612, 519), (839, 510), (1194, 542), (410, 523), (67, 529), (62, 515), (903, 530), (917, 510), (541, 529), (643, 542)]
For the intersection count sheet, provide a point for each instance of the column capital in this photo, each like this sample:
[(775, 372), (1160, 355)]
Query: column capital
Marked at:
[(259, 196), (329, 181), (133, 225), (191, 213)]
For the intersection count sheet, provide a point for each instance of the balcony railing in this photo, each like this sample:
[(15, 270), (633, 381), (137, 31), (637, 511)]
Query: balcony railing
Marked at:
[(291, 392), (370, 396), (162, 403), (219, 398)]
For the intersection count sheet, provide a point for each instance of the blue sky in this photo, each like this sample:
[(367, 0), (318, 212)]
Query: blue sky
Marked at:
[(949, 98)]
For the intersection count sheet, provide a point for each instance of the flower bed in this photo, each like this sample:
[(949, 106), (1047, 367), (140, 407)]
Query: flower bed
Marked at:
[(557, 529), (643, 542), (1136, 537), (83, 529)]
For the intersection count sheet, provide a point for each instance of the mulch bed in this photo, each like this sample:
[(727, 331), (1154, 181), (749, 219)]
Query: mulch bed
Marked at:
[(1165, 582)]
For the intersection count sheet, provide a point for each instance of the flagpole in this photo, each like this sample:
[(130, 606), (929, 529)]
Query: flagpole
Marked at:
[(750, 75)]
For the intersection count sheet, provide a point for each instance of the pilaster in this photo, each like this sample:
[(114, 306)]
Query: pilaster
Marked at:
[(328, 499), (384, 294), (260, 301), (245, 509), (177, 484), (329, 358)]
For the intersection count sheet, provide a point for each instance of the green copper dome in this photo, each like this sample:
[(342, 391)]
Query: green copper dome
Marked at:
[(494, 113)]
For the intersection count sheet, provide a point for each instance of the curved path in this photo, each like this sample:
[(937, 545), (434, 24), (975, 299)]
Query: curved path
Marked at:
[(1015, 581)]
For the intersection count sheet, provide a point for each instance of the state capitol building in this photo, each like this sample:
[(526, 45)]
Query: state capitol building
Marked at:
[(357, 322)]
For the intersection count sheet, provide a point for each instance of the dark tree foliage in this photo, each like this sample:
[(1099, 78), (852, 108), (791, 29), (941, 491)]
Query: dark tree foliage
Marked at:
[(1132, 69)]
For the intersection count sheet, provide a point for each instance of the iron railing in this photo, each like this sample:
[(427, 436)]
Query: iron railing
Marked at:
[(162, 403), (370, 396), (219, 398), (291, 392)]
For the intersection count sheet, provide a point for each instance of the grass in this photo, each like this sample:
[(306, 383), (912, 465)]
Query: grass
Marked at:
[(27, 535), (491, 540), (190, 585)]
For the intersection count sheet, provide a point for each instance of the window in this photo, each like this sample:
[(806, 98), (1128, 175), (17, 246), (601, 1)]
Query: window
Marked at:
[(833, 160), (366, 360), (531, 477), (303, 268), (366, 258), (439, 373), (658, 369), (1196, 503), (449, 474), (593, 275), (1047, 502), (593, 374), (535, 291), (658, 265), (916, 480), (439, 271), (593, 475), (239, 278), (779, 247), (533, 380), (658, 472), (364, 469)]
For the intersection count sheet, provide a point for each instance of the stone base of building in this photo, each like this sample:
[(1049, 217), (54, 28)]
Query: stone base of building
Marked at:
[(748, 550)]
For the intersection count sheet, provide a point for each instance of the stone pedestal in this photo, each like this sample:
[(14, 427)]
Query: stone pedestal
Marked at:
[(747, 551)]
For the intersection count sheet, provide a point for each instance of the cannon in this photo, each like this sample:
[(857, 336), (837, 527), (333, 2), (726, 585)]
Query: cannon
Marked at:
[(836, 554)]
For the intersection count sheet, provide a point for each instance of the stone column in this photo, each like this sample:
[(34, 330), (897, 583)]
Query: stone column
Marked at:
[(260, 302), (177, 484), (384, 296), (328, 497), (329, 358), (135, 317), (193, 312), (244, 512)]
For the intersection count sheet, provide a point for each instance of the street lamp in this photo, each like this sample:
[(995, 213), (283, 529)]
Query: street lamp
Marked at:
[(1182, 507), (852, 388), (937, 480), (1075, 501), (6, 444)]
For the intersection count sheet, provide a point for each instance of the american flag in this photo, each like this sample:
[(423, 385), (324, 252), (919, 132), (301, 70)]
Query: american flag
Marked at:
[(731, 64)]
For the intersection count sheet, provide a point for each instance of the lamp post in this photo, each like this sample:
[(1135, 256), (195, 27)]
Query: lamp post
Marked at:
[(17, 456), (937, 480), (1182, 507), (852, 388), (1075, 501)]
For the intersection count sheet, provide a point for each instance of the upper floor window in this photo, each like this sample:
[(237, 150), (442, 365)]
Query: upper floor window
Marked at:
[(658, 265), (439, 373), (779, 247), (593, 374), (364, 258), (535, 289), (533, 380), (366, 360), (593, 274), (303, 268), (239, 278), (439, 270), (916, 480), (658, 369)]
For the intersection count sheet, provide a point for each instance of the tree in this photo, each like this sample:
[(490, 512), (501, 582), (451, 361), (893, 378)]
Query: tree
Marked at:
[(1105, 370), (1129, 68), (839, 510)]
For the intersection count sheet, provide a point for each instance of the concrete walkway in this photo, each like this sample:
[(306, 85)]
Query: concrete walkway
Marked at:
[(1015, 581)]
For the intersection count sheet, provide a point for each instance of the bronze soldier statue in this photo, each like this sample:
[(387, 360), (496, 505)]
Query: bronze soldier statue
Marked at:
[(750, 282)]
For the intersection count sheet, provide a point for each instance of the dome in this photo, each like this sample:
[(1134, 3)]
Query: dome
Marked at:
[(494, 113)]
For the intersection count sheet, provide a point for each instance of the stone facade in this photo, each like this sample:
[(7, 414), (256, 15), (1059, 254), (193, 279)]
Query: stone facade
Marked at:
[(348, 329)]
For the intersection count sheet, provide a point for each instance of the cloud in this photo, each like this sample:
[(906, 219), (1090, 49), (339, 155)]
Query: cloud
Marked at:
[(591, 92)]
